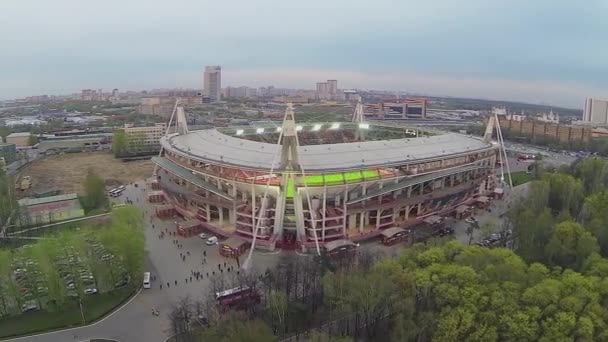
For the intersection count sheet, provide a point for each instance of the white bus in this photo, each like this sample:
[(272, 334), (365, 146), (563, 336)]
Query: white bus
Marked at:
[(147, 280)]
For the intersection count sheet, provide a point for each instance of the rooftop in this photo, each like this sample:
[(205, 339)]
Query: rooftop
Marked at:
[(36, 201), (19, 134), (216, 147)]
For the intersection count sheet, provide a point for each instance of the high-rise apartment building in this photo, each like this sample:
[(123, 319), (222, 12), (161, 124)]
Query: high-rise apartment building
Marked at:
[(327, 90), (596, 111), (332, 89), (212, 83), (322, 90)]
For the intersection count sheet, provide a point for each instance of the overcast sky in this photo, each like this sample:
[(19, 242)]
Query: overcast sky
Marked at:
[(541, 51)]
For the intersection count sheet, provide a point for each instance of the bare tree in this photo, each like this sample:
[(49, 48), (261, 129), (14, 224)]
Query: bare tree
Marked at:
[(181, 317)]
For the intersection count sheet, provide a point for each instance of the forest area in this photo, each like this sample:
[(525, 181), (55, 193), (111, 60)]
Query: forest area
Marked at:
[(550, 287)]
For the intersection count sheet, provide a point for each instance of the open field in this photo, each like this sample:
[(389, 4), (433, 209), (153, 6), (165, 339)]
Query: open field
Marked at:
[(68, 171)]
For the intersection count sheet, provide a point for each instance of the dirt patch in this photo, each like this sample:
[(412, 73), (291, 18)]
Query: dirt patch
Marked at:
[(68, 171)]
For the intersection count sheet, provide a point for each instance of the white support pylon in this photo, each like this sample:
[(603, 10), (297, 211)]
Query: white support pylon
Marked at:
[(160, 152), (358, 115)]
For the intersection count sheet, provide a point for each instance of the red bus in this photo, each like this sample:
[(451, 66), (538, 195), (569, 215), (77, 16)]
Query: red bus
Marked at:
[(239, 296)]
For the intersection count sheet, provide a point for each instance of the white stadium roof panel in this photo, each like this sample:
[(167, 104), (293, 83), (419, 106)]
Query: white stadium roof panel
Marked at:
[(216, 147)]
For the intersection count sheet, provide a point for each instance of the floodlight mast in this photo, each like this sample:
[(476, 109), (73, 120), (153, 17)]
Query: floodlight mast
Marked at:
[(494, 123), (289, 162), (160, 152)]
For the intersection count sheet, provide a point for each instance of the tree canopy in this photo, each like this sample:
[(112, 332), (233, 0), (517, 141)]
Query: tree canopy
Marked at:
[(95, 192)]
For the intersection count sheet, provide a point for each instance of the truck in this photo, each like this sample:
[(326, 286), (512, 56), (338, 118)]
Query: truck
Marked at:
[(25, 183)]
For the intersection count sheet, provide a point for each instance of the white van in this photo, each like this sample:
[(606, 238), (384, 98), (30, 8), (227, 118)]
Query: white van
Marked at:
[(147, 280), (211, 241)]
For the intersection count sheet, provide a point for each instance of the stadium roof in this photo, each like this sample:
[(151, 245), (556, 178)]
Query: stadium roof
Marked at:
[(215, 147), (183, 173)]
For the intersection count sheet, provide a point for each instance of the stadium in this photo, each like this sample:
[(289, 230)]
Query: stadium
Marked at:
[(307, 185)]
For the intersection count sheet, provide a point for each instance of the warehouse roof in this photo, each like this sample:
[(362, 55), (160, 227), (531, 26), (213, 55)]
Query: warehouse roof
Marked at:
[(19, 134), (35, 201), (216, 147)]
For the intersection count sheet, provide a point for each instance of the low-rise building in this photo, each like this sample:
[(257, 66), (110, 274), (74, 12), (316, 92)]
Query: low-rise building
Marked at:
[(159, 106), (144, 139), (547, 130), (401, 109), (290, 99), (36, 211), (21, 139), (8, 152)]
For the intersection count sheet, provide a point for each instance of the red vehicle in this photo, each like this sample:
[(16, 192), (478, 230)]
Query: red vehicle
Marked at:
[(239, 296)]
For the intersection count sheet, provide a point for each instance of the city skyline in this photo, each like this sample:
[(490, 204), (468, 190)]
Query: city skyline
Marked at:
[(542, 52)]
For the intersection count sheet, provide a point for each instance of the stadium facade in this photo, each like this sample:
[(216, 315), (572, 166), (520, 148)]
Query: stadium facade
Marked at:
[(308, 184)]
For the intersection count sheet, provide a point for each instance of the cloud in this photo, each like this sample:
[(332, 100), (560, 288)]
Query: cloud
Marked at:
[(569, 94), (437, 46)]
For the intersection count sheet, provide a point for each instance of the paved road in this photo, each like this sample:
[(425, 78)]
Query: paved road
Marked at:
[(134, 322), (492, 217)]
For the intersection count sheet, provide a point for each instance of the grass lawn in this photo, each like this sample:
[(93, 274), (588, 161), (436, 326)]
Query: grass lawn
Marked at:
[(520, 177), (94, 307), (330, 178)]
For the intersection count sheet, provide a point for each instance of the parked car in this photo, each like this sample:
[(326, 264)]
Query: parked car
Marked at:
[(90, 291), (29, 306), (202, 235)]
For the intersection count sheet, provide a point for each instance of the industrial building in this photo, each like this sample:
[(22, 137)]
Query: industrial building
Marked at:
[(558, 132), (8, 152), (22, 139), (397, 109), (305, 185), (36, 211), (158, 106)]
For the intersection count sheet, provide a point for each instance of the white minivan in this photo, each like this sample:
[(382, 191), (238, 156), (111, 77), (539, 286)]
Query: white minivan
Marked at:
[(147, 284), (211, 241)]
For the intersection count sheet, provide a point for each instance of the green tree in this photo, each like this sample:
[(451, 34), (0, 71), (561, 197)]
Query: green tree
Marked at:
[(95, 193), (595, 218), (119, 143), (593, 173), (316, 336), (570, 245), (533, 229), (236, 327), (46, 253), (277, 303), (32, 140), (8, 203), (125, 239), (7, 301)]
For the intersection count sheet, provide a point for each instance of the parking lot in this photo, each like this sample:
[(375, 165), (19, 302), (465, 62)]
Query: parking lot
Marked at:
[(71, 272)]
